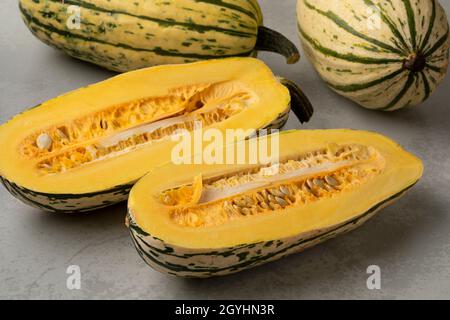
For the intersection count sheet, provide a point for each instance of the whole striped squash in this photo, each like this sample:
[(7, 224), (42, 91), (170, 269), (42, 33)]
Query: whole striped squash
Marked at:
[(383, 54), (127, 35)]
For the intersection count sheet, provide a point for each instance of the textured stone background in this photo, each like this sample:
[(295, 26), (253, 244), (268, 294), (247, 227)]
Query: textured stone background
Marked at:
[(410, 240)]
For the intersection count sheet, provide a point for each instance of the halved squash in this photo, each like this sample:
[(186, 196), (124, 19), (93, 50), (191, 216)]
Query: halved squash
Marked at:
[(212, 220), (84, 150)]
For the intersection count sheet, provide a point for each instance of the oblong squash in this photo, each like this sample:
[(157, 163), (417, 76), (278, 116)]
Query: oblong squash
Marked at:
[(128, 35), (85, 149), (384, 55), (212, 220)]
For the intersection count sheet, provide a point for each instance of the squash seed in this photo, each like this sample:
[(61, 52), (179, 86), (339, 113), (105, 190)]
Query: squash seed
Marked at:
[(274, 206), (277, 193), (240, 203), (272, 192), (306, 188), (168, 200), (265, 194), (264, 205), (281, 202), (332, 181), (319, 183), (44, 141), (271, 198), (260, 198), (285, 190), (45, 166), (249, 201), (61, 135), (315, 193), (229, 208)]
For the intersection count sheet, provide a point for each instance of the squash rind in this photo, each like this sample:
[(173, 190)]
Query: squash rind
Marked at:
[(188, 263)]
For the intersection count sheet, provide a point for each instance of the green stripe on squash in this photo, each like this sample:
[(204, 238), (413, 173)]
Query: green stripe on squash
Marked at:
[(341, 23)]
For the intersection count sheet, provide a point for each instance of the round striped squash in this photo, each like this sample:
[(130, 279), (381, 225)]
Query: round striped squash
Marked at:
[(127, 35), (383, 54)]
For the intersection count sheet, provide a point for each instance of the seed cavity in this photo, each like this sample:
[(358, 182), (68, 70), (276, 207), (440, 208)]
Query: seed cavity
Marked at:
[(125, 127), (314, 176)]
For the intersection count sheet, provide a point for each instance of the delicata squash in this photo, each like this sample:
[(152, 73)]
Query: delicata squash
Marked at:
[(127, 35), (211, 220), (84, 150)]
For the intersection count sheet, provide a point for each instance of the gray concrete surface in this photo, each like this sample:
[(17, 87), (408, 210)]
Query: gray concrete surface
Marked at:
[(410, 240)]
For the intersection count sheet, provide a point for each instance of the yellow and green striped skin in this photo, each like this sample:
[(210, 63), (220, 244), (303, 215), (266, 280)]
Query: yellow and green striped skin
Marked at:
[(126, 35), (383, 54), (206, 263)]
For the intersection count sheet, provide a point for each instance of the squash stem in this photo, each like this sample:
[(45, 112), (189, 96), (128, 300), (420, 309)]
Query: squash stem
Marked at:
[(415, 63), (300, 104), (273, 41)]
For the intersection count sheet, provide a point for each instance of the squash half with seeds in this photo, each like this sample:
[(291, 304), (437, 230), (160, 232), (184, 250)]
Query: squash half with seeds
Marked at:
[(85, 149), (127, 35), (212, 220)]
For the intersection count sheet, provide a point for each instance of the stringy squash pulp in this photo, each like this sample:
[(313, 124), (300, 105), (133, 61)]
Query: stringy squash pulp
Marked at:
[(85, 149), (207, 220)]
